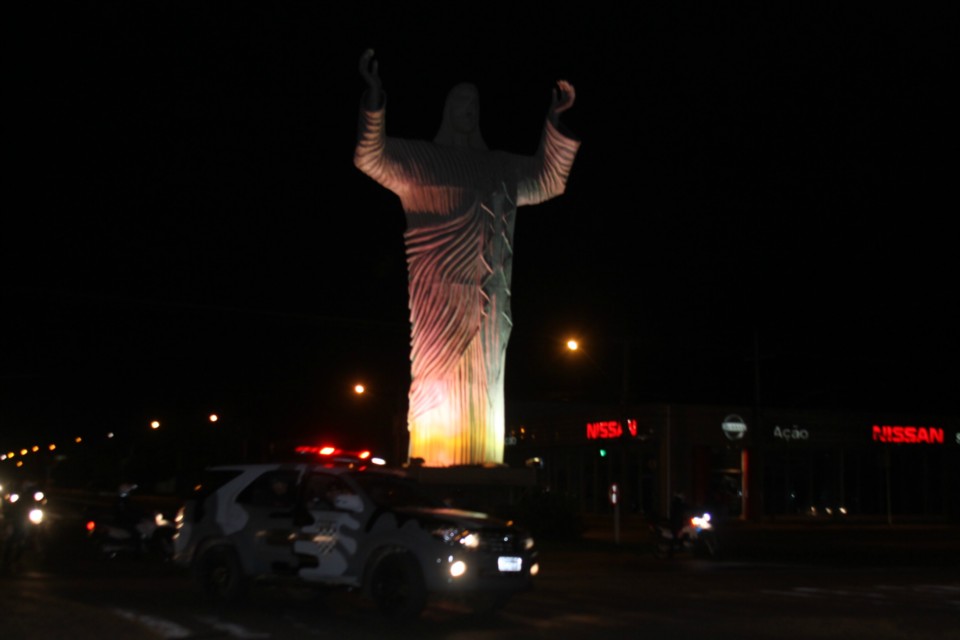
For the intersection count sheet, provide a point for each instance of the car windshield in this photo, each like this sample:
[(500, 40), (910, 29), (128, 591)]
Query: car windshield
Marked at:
[(391, 491)]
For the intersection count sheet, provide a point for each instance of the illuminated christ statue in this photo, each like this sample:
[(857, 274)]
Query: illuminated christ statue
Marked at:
[(460, 201)]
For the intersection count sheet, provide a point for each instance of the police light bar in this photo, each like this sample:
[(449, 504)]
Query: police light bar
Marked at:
[(331, 451)]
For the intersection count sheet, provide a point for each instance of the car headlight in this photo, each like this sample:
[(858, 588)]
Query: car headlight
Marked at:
[(457, 568), (180, 519), (457, 535), (527, 543), (36, 516)]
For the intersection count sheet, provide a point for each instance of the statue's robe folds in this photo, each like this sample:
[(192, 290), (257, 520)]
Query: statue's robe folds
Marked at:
[(460, 207)]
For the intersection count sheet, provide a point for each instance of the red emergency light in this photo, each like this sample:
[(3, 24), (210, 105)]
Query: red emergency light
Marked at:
[(327, 451)]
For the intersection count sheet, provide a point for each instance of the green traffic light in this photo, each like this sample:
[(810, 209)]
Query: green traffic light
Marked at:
[(603, 453)]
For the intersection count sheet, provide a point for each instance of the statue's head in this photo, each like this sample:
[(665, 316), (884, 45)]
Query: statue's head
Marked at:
[(463, 105), (461, 119)]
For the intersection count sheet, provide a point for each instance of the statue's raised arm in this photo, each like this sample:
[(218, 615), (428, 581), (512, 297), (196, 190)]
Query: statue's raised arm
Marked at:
[(369, 72), (563, 98)]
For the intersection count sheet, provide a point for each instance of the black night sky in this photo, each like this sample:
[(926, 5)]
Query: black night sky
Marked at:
[(185, 231)]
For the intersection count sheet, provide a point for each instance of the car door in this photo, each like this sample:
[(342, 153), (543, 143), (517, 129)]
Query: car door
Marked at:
[(330, 534), (267, 539)]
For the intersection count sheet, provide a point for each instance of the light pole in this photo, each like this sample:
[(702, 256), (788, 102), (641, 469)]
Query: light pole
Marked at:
[(634, 440), (615, 467), (366, 395)]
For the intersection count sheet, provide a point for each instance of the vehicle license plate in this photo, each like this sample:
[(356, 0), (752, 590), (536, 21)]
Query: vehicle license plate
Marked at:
[(509, 563)]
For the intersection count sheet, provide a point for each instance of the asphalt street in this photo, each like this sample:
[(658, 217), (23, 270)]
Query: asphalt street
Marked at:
[(825, 566)]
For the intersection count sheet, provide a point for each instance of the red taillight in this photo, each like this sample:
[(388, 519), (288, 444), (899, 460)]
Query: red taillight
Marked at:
[(91, 525)]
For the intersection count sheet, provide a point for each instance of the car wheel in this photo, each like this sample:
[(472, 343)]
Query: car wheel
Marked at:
[(162, 545), (662, 549), (398, 588), (220, 575)]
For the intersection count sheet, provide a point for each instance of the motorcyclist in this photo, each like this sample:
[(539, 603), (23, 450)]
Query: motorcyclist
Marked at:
[(678, 519)]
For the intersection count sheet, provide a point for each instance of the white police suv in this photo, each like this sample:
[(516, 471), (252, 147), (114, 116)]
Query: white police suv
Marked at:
[(350, 526)]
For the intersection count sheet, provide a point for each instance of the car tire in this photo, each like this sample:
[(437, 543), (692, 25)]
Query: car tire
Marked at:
[(398, 588), (220, 575), (662, 549), (162, 545)]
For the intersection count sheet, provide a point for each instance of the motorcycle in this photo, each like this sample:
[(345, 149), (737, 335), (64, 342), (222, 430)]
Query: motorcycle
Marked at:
[(128, 531), (24, 513), (697, 538)]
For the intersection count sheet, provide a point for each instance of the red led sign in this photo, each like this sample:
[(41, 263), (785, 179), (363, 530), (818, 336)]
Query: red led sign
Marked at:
[(609, 429), (898, 434)]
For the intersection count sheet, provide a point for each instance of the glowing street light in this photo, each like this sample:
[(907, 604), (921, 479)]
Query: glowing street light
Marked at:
[(155, 425), (213, 418), (359, 389), (572, 345)]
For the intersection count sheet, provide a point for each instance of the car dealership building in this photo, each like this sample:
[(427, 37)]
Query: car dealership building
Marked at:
[(741, 461)]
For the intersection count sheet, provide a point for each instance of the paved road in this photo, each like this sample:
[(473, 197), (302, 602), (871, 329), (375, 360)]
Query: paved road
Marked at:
[(790, 581)]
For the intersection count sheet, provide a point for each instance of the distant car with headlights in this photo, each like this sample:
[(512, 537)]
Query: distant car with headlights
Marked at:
[(348, 526), (22, 534)]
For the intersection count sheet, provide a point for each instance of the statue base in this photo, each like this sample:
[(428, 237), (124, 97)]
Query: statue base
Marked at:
[(493, 490)]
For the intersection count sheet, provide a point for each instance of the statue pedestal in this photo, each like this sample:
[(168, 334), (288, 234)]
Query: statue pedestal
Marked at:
[(489, 489)]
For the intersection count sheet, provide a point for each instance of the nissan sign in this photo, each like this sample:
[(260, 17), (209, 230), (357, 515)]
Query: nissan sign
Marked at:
[(734, 427)]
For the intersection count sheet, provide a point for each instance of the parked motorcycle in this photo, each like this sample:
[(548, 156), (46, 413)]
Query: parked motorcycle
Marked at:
[(23, 527), (697, 537), (127, 530)]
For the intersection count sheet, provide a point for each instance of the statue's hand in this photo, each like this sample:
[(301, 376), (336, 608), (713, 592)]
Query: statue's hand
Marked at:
[(563, 97), (368, 69)]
